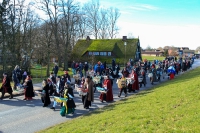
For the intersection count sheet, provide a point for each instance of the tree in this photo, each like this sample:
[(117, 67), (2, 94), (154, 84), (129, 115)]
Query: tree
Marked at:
[(70, 13), (166, 52), (160, 48), (148, 47), (113, 15), (51, 8), (92, 12), (197, 49)]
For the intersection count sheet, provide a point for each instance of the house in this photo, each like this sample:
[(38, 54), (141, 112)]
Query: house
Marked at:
[(107, 49), (152, 53)]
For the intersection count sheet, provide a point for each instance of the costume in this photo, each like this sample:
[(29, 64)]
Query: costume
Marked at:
[(109, 95), (135, 85), (29, 92), (68, 93), (90, 95), (45, 98), (6, 87), (122, 84)]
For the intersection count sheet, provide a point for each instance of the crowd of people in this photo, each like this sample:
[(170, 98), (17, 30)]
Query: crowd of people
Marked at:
[(98, 78)]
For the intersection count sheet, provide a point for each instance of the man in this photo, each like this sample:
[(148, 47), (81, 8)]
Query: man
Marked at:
[(86, 67), (6, 87), (16, 76), (73, 67), (55, 70)]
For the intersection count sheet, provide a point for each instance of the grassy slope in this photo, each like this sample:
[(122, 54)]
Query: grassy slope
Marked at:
[(172, 106)]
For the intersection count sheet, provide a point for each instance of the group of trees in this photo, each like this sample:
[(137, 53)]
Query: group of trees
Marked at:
[(24, 33)]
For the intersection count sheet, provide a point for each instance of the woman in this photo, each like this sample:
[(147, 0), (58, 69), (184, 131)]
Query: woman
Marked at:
[(29, 92), (135, 85), (68, 93), (90, 93), (108, 96), (45, 90), (6, 87)]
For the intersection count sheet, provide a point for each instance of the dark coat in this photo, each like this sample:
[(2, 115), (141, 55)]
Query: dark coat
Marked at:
[(29, 89), (6, 87), (46, 99)]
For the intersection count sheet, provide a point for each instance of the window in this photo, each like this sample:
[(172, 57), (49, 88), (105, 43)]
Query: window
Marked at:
[(109, 53), (95, 53), (103, 53), (90, 53)]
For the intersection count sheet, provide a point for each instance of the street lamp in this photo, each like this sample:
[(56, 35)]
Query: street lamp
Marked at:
[(125, 53)]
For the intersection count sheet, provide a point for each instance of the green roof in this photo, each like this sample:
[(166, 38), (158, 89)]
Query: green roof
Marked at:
[(101, 45)]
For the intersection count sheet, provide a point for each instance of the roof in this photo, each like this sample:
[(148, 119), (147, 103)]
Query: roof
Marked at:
[(114, 45), (188, 51)]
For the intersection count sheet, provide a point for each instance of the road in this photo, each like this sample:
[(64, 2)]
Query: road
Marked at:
[(18, 116)]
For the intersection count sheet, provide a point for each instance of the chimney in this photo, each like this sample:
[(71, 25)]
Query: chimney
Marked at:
[(88, 38), (124, 38)]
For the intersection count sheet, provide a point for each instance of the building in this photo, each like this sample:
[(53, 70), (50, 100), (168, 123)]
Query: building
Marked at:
[(107, 49), (152, 53)]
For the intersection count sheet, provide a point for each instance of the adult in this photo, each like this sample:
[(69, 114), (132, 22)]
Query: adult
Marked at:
[(52, 77), (68, 93), (86, 67), (113, 64), (108, 96), (57, 91), (73, 67), (6, 87), (16, 76), (125, 72), (90, 94), (67, 76), (45, 90), (135, 85), (28, 87), (24, 75), (55, 70)]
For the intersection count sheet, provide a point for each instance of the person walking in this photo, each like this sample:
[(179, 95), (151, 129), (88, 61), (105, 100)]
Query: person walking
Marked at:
[(55, 70), (6, 87), (45, 90), (28, 87)]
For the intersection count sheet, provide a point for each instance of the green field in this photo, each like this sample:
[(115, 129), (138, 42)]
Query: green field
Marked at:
[(151, 58), (172, 106)]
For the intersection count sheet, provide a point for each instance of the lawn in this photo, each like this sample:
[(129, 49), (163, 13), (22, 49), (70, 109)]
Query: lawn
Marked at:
[(151, 58), (173, 106)]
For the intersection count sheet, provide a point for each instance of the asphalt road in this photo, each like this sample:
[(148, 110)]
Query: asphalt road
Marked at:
[(18, 116)]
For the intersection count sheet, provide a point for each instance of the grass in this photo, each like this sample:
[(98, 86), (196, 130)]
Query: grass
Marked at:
[(151, 58), (103, 45), (173, 106)]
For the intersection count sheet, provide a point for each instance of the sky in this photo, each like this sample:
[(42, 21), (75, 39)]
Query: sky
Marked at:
[(158, 23)]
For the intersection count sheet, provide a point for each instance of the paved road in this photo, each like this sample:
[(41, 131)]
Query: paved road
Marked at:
[(18, 116)]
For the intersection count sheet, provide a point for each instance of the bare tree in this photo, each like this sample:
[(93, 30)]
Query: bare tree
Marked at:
[(113, 15), (92, 12), (70, 13), (51, 8)]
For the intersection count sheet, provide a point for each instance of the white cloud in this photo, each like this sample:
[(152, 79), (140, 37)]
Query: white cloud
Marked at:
[(143, 7)]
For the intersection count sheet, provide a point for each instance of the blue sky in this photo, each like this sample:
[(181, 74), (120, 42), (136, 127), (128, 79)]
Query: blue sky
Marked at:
[(159, 23)]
